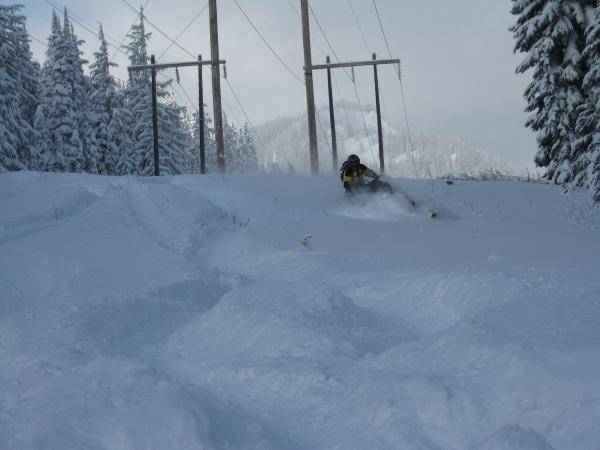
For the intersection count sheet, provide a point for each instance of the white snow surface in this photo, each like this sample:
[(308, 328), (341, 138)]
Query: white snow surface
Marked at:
[(185, 313)]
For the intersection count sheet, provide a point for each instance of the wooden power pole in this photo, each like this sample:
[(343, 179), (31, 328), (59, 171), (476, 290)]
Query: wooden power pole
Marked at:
[(310, 92), (155, 118), (201, 130), (332, 119), (216, 85), (154, 68), (374, 62), (379, 127)]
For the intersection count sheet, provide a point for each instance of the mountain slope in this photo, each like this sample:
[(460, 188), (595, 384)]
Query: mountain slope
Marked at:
[(286, 147)]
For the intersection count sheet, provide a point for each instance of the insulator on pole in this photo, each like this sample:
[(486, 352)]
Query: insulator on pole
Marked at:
[(352, 74), (225, 71), (177, 76)]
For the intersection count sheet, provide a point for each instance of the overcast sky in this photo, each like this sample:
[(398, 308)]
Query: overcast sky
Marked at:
[(458, 64)]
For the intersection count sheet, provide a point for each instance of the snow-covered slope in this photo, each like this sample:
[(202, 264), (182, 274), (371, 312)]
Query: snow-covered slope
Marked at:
[(181, 313)]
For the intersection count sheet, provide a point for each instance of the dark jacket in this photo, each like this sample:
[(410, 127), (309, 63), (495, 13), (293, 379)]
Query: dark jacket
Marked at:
[(355, 176)]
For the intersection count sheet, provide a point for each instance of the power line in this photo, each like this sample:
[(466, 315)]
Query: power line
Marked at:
[(364, 124), (229, 111), (192, 103), (387, 44), (399, 77), (350, 77), (237, 99), (283, 63), (325, 36), (126, 3), (129, 29), (362, 34), (300, 17), (323, 131), (82, 25), (368, 48), (78, 20), (184, 30), (337, 86), (39, 41), (324, 56), (227, 107)]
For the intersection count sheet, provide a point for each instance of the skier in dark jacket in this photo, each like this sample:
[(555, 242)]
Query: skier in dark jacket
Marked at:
[(354, 174)]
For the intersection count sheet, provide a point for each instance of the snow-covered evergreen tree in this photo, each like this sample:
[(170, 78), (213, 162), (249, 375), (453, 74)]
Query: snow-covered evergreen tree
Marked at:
[(209, 142), (587, 147), (240, 151), (248, 159), (104, 99), (551, 34), (138, 94), (18, 91), (58, 117), (61, 117), (80, 86), (127, 162), (175, 140), (230, 144)]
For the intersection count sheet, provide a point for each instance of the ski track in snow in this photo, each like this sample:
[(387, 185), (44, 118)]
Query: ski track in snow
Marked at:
[(185, 313)]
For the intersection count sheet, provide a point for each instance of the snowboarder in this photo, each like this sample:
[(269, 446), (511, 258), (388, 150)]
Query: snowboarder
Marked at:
[(353, 174)]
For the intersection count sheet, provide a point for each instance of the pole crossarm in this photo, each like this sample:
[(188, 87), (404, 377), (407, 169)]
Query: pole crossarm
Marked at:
[(374, 63), (355, 64), (172, 65)]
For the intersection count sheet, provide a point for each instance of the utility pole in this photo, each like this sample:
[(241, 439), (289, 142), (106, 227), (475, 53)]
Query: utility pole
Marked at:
[(332, 119), (379, 127), (310, 92), (216, 85), (201, 117), (374, 62), (154, 68), (155, 118)]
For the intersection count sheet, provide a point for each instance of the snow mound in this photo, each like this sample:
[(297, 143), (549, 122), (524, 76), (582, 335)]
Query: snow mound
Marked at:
[(117, 403), (513, 437), (288, 320)]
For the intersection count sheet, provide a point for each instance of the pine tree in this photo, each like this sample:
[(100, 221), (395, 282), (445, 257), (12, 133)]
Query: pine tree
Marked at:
[(139, 98), (18, 91), (587, 147), (231, 143), (247, 153), (104, 99), (174, 137), (209, 142), (80, 87), (127, 162), (551, 33), (176, 141), (57, 117), (240, 151)]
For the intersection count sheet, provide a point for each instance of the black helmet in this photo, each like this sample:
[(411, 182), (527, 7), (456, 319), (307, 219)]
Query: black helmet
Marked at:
[(353, 160)]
